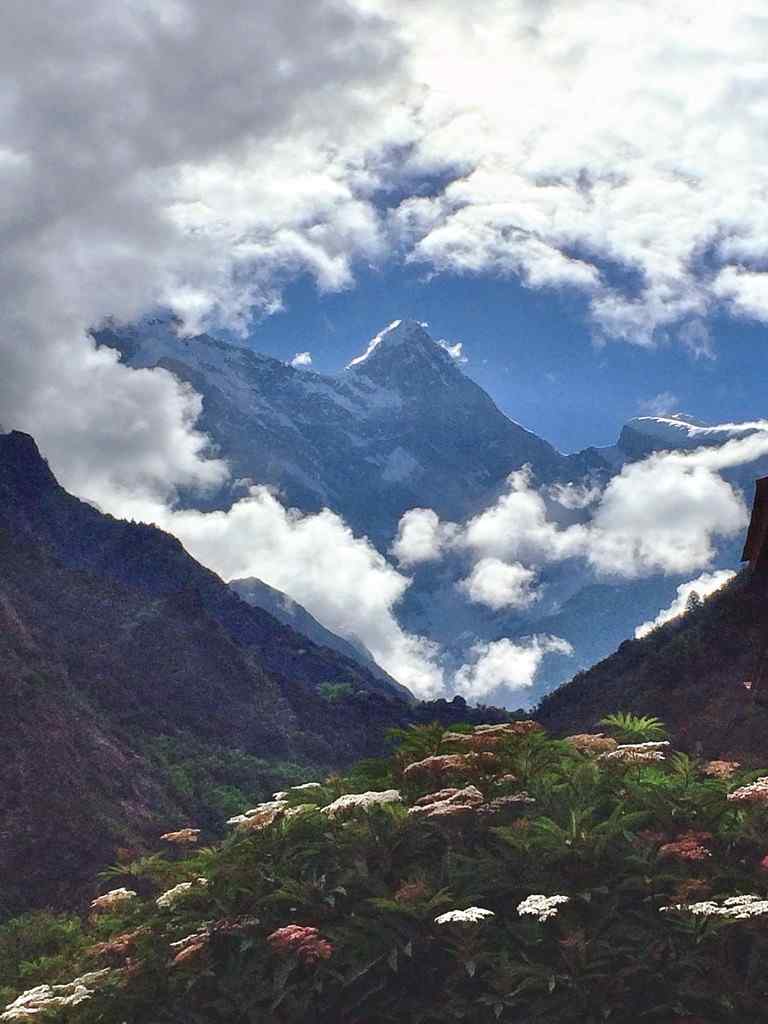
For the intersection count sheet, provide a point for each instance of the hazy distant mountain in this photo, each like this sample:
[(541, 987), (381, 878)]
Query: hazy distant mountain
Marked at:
[(292, 614)]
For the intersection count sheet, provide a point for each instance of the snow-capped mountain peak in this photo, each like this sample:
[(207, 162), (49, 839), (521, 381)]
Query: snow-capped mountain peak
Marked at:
[(399, 332), (405, 357), (679, 430)]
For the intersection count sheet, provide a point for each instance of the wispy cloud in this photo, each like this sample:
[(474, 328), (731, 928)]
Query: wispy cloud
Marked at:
[(661, 404)]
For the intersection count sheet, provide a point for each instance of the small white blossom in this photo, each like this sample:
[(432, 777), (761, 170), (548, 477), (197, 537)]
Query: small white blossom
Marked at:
[(42, 998), (472, 915), (734, 908), (280, 795), (363, 801), (263, 814), (541, 907), (172, 895), (112, 899), (637, 753)]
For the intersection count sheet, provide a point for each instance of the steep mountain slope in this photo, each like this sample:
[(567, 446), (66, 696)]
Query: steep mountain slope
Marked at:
[(113, 640), (401, 427), (290, 613), (689, 672), (144, 557), (138, 692)]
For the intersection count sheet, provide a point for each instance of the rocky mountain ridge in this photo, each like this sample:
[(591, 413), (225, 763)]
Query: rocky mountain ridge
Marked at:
[(403, 427), (400, 427)]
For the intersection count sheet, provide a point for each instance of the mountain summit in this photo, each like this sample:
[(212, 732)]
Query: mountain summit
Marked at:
[(405, 354), (401, 427)]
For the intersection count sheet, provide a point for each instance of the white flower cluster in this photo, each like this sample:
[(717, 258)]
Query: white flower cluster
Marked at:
[(283, 794), (112, 899), (472, 915), (755, 792), (636, 753), (42, 998), (172, 895), (361, 801), (261, 814), (541, 907), (735, 908)]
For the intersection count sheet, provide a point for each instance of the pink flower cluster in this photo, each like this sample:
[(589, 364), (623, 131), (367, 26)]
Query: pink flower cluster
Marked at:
[(300, 941), (689, 846)]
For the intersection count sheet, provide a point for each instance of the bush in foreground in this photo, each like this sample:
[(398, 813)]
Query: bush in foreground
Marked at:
[(483, 874)]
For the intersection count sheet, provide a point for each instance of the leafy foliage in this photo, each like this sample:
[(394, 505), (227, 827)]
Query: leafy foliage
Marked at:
[(629, 728), (334, 693), (322, 916)]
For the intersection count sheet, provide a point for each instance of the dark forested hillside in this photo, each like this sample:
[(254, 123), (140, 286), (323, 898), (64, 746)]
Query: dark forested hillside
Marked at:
[(701, 673), (136, 688), (120, 659)]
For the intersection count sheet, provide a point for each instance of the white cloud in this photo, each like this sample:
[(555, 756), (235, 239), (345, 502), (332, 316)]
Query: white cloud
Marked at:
[(163, 154), (697, 338), (266, 146), (506, 663), (703, 585), (744, 290), (585, 140), (517, 528), (499, 584), (302, 359), (421, 537), (660, 405), (272, 135), (574, 496), (662, 515), (455, 350), (341, 579)]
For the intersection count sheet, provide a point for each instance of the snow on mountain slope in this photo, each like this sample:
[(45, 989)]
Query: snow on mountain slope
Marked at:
[(400, 427)]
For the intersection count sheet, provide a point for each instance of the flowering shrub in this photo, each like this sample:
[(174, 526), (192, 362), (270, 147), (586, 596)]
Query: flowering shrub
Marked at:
[(721, 769), (472, 915), (690, 846), (559, 881), (541, 907), (300, 941), (184, 836), (592, 743), (755, 793), (636, 753), (172, 896), (360, 802), (44, 998), (112, 899)]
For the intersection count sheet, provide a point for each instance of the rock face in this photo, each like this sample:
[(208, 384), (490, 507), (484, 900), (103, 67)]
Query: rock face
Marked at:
[(400, 427)]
